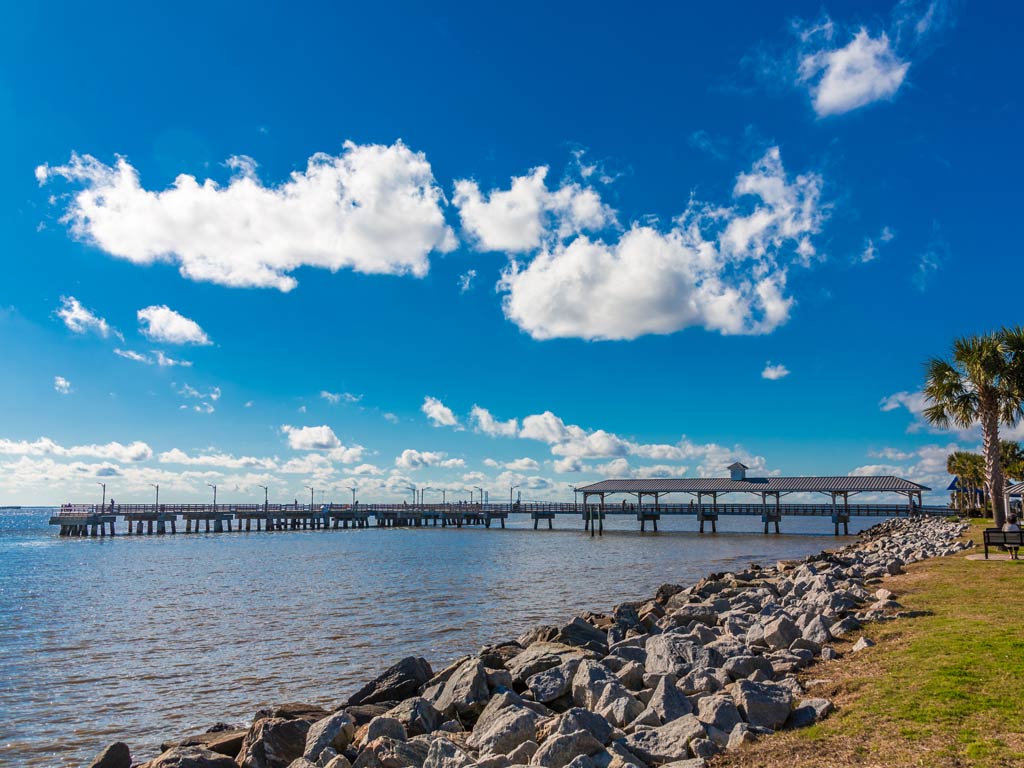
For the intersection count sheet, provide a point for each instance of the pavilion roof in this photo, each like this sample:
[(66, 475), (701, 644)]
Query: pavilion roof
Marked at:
[(838, 484)]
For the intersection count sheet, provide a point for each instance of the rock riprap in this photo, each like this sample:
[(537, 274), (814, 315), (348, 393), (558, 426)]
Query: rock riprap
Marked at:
[(666, 682)]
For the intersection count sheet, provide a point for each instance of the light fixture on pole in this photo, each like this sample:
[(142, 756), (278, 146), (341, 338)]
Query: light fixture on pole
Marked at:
[(510, 489), (211, 485), (481, 493), (310, 489), (103, 503), (266, 493), (157, 486), (413, 489), (353, 489)]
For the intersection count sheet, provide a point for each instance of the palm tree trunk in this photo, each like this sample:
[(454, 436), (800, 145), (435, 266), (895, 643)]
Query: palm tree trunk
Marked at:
[(993, 464)]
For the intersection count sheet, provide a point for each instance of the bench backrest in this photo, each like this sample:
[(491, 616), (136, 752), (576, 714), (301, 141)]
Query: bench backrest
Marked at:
[(997, 536)]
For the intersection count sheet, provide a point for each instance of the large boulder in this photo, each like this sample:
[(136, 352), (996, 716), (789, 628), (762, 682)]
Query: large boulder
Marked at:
[(558, 751), (292, 711), (396, 683), (540, 656), (447, 754), (668, 702), (670, 654), (668, 743), (553, 683), (781, 632), (817, 631), (739, 667), (763, 704), (418, 716), (117, 755), (273, 742), (334, 731), (581, 634), (466, 692), (578, 719), (808, 712), (596, 688), (225, 742), (386, 752), (719, 712), (385, 726), (498, 731), (190, 757)]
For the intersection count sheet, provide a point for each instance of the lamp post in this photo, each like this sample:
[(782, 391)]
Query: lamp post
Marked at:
[(510, 489), (444, 495), (481, 493), (157, 486), (412, 488), (211, 485), (353, 489), (266, 494), (103, 503), (310, 489)]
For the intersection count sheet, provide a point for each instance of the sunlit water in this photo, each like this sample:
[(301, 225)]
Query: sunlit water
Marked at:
[(145, 638)]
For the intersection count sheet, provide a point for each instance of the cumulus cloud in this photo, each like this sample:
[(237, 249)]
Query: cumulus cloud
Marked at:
[(483, 421), (440, 415), (863, 71), (226, 460), (724, 269), (163, 324), (62, 385), (524, 464), (319, 438), (373, 208), (774, 372), (336, 397), (44, 446), (413, 459), (79, 319), (157, 358), (522, 217)]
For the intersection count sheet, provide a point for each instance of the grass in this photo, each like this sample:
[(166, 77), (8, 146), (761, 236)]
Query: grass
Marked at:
[(944, 689)]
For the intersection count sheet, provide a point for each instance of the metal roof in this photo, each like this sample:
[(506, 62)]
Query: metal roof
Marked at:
[(1016, 489), (852, 484)]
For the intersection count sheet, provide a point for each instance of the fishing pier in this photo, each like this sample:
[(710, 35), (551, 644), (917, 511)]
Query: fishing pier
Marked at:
[(643, 500)]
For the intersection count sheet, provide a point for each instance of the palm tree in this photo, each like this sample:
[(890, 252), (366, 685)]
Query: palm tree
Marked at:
[(983, 384)]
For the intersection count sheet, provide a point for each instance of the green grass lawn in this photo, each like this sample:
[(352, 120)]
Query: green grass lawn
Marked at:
[(944, 689)]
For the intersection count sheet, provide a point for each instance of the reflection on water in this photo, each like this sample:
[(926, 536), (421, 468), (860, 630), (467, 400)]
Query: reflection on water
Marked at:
[(146, 638)]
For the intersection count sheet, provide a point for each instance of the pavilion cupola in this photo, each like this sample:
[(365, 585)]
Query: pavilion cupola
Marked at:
[(738, 471)]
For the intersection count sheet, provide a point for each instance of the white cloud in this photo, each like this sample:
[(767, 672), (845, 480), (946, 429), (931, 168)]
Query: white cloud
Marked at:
[(319, 438), (187, 390), (336, 397), (522, 217), (158, 358), (44, 446), (568, 465), (491, 463), (373, 208), (724, 269), (466, 280), (226, 460), (915, 402), (524, 464), (774, 372), (62, 385), (865, 70), (390, 417), (163, 324), (413, 459), (439, 414), (346, 454), (484, 422), (78, 319), (367, 469)]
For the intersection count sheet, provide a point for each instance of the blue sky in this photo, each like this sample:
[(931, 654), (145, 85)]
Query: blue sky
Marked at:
[(422, 245)]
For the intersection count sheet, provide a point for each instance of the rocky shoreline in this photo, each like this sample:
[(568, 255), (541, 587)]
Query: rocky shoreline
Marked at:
[(671, 681)]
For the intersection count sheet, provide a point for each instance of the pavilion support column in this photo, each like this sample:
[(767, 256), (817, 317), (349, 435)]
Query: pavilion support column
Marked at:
[(764, 510), (835, 514), (600, 518), (778, 510)]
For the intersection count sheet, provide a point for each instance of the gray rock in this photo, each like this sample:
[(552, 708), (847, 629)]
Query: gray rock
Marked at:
[(398, 682), (501, 730), (699, 681), (385, 752), (718, 711), (581, 634), (302, 762), (418, 716), (190, 757), (780, 632), (808, 712), (668, 701), (667, 743), (828, 653), (498, 679), (702, 613), (274, 742), (861, 644), (494, 761), (817, 632), (693, 762), (117, 755), (704, 748), (335, 731), (465, 693), (739, 667), (553, 683), (669, 654), (618, 705), (558, 751), (522, 754), (741, 734), (443, 753), (339, 761), (540, 656), (762, 704), (578, 719), (385, 726), (631, 675), (844, 627)]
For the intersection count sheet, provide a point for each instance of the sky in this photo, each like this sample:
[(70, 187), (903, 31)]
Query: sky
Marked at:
[(383, 246)]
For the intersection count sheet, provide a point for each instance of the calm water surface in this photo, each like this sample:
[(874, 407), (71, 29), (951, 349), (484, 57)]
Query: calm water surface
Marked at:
[(146, 638)]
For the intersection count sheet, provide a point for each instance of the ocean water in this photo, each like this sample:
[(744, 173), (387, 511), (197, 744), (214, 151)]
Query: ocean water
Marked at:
[(143, 639)]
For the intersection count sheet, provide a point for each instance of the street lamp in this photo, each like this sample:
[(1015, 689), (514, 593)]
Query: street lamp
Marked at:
[(481, 493), (310, 489), (266, 493), (103, 504), (211, 485), (353, 489), (510, 489), (157, 486)]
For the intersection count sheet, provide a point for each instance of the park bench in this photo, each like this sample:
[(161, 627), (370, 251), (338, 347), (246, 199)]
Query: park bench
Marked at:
[(999, 538)]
